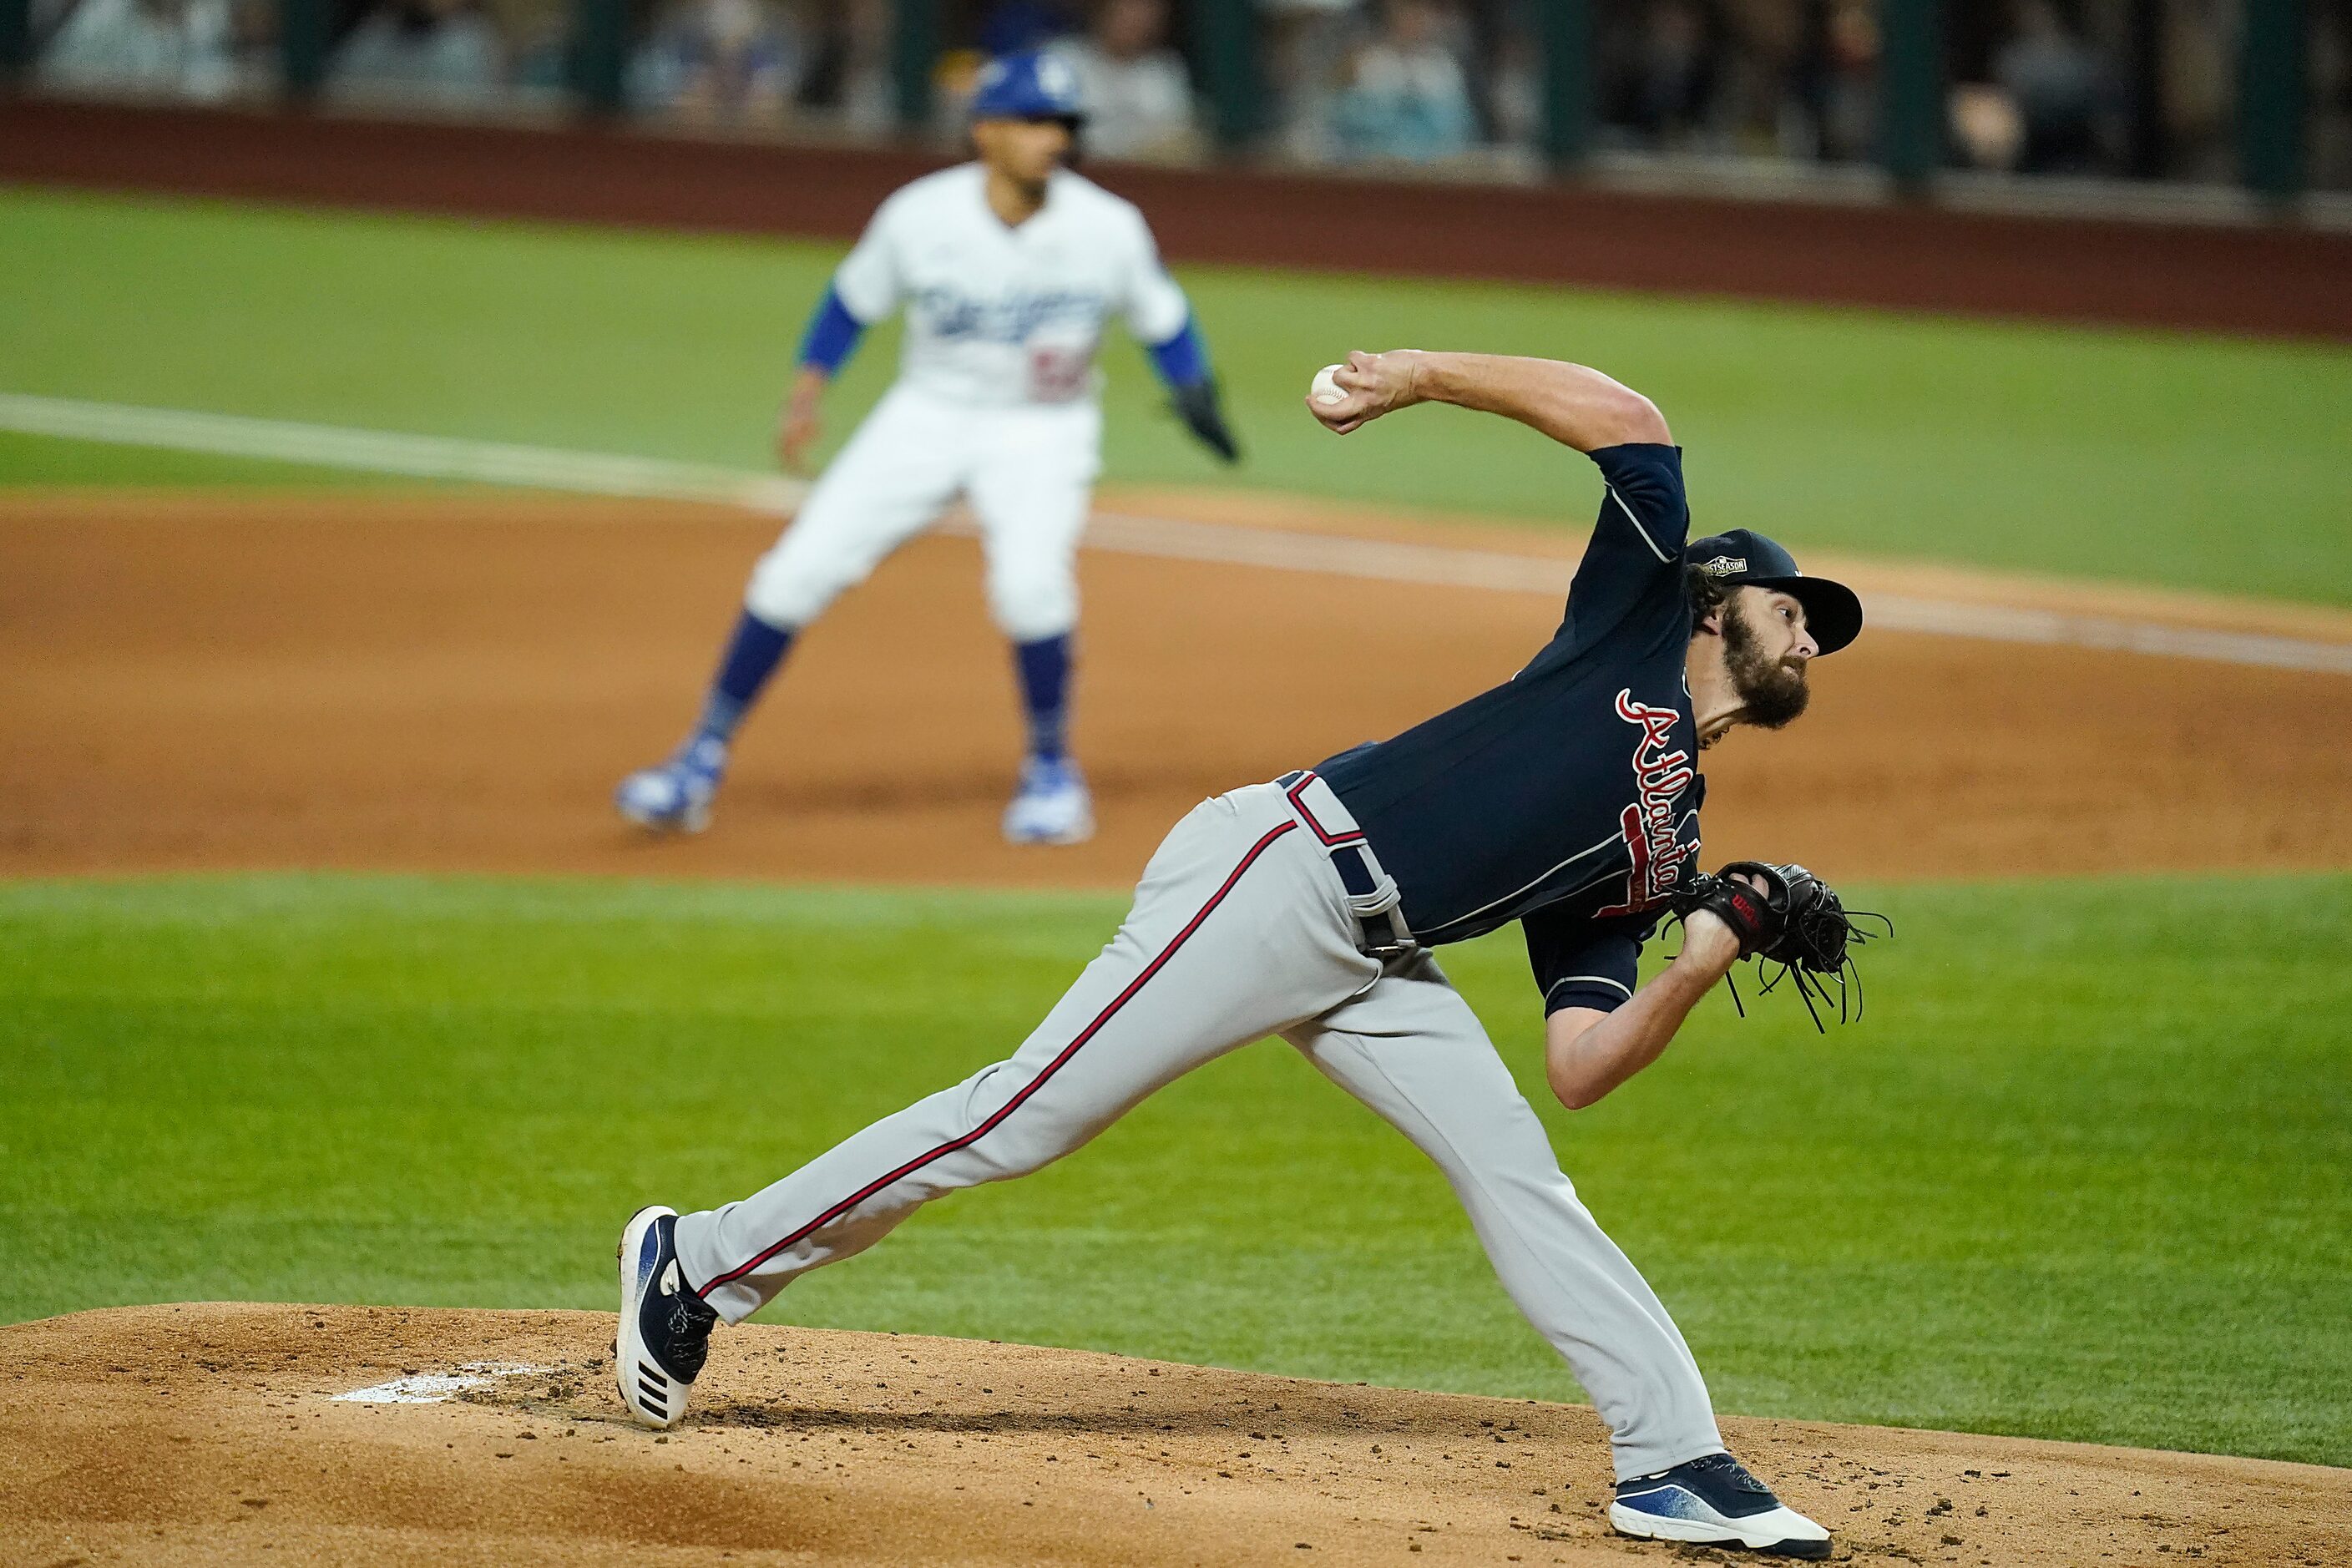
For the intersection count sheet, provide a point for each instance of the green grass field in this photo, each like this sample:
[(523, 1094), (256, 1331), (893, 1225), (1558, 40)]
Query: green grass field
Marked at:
[(2196, 462), (2084, 1170)]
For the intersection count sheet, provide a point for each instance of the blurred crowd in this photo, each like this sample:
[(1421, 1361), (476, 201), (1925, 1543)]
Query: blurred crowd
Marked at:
[(2112, 88), (188, 49), (2068, 87), (830, 61), (459, 56)]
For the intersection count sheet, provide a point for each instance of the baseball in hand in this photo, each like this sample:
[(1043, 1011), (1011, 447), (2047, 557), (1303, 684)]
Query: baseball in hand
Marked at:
[(1326, 389)]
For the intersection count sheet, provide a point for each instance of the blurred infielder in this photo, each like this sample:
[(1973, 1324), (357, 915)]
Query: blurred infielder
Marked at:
[(1007, 269), (1566, 799)]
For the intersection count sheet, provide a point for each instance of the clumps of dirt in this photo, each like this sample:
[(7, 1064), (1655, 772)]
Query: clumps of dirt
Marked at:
[(226, 1433)]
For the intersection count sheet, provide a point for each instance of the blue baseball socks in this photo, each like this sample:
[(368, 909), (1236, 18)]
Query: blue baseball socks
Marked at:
[(752, 653), (1045, 668), (756, 648)]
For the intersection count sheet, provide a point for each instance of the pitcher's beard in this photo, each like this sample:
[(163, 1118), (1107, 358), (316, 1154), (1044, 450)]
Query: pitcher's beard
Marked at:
[(1771, 694)]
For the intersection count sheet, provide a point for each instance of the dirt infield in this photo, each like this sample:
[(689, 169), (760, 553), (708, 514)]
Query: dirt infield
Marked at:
[(212, 1434), (455, 682)]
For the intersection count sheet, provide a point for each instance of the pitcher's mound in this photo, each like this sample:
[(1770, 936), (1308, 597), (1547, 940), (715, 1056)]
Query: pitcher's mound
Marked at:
[(285, 1435)]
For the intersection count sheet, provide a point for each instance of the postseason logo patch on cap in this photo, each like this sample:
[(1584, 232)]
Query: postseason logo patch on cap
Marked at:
[(1725, 566)]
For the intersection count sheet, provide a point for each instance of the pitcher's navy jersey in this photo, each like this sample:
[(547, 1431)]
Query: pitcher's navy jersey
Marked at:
[(1568, 798)]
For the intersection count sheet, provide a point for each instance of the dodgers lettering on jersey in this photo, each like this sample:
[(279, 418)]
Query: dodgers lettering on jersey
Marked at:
[(999, 316), (1568, 798)]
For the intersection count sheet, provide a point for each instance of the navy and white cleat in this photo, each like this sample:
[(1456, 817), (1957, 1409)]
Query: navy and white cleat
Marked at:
[(665, 1332), (1713, 1502), (1052, 806), (676, 796)]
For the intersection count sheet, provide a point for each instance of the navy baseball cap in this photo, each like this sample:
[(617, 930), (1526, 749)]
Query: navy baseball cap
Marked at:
[(1743, 559), (1033, 84)]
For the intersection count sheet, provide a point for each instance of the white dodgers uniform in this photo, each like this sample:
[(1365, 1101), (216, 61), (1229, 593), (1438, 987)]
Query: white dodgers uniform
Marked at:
[(997, 396)]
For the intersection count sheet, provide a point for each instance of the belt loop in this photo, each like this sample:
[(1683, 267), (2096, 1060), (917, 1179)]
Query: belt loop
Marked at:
[(1378, 913)]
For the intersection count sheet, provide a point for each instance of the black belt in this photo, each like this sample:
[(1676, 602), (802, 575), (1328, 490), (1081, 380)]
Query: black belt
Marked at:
[(1373, 898)]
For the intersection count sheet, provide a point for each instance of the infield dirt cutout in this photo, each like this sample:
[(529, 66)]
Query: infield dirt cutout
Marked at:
[(212, 1434), (454, 682)]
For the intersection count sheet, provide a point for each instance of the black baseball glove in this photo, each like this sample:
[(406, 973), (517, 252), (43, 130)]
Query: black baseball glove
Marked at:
[(1198, 408), (1796, 921)]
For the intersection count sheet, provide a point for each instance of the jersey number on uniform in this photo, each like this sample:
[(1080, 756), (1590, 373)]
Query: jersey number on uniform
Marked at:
[(1059, 373)]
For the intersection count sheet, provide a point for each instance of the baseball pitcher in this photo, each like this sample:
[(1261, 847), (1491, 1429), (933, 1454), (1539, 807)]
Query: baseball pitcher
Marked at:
[(1566, 799), (1007, 269)]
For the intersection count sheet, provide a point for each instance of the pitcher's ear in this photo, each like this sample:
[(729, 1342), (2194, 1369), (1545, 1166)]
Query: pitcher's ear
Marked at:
[(1708, 598)]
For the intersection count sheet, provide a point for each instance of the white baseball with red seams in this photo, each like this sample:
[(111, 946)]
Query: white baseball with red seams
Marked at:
[(1242, 927)]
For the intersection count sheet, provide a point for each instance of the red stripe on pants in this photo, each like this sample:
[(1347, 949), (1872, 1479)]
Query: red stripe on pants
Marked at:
[(1010, 1106)]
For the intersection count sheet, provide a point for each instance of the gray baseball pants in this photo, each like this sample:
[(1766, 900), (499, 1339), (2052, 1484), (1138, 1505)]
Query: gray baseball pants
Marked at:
[(1242, 927)]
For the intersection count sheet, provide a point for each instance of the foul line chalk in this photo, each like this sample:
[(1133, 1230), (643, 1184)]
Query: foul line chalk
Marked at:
[(600, 473), (390, 452)]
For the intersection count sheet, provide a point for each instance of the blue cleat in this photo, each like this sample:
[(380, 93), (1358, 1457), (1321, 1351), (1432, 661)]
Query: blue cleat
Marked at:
[(1713, 1502), (676, 796), (1052, 806), (664, 1330)]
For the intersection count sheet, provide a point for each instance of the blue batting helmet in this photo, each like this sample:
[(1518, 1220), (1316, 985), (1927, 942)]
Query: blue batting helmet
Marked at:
[(1031, 85)]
